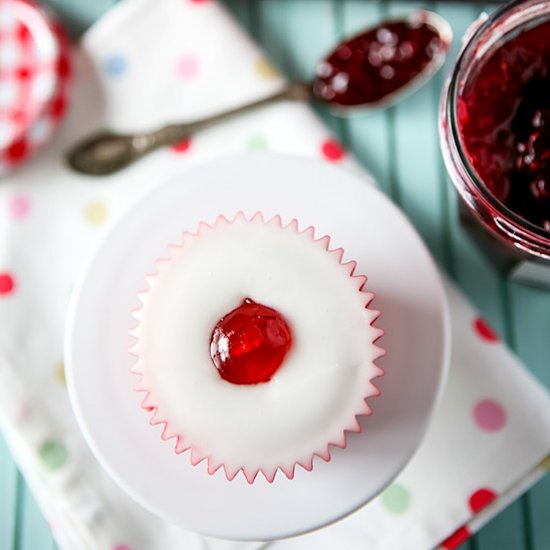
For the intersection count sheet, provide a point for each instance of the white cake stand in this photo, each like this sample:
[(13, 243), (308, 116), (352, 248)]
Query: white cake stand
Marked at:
[(410, 295)]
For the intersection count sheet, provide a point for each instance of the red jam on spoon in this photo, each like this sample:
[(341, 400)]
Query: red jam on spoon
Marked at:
[(504, 121), (374, 65), (249, 344)]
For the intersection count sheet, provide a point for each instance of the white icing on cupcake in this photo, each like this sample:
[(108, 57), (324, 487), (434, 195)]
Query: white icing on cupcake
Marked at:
[(322, 384)]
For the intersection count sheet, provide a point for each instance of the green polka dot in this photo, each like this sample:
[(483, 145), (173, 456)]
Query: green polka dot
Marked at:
[(396, 499), (257, 143), (53, 454)]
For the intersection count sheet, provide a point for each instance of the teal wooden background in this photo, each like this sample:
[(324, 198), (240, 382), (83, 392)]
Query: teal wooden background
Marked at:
[(400, 147)]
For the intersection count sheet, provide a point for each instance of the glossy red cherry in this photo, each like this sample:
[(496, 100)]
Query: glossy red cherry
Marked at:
[(249, 344)]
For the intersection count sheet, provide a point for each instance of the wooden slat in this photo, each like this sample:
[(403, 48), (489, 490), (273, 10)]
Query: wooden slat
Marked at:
[(368, 136), (296, 35), (244, 12), (34, 531), (505, 532), (539, 526), (79, 14), (417, 167), (8, 498), (530, 327)]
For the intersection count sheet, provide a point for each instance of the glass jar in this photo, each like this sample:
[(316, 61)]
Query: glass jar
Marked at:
[(519, 248)]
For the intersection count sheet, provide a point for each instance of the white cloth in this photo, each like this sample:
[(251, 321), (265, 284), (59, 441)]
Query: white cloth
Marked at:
[(483, 435)]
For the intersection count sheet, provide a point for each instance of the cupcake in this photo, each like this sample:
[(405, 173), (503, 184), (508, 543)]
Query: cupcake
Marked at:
[(255, 347)]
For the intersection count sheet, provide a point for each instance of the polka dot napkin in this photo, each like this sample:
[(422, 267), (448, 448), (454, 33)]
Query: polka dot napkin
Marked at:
[(482, 448)]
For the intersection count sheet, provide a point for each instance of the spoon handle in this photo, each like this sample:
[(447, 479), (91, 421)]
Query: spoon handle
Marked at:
[(105, 153)]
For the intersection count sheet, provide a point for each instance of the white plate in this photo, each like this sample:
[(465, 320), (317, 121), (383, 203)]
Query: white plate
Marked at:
[(410, 295)]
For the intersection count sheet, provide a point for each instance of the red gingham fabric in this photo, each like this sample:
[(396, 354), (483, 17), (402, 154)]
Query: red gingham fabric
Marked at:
[(34, 79)]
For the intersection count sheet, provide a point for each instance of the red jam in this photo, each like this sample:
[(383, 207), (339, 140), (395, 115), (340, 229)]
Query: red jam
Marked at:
[(504, 119), (377, 63), (249, 344)]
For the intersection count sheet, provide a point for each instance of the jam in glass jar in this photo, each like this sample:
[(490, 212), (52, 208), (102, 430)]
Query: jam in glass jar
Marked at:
[(495, 137)]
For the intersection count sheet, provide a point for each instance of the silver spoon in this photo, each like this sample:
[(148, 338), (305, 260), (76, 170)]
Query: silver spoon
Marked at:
[(361, 73)]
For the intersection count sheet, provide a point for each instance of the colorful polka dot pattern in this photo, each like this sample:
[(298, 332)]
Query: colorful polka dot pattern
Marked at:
[(53, 454), (489, 415)]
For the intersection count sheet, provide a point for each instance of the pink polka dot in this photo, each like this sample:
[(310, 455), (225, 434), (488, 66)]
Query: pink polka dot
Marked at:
[(182, 146), (489, 415), (7, 284), (18, 207), (484, 331), (188, 66), (332, 150), (480, 499)]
